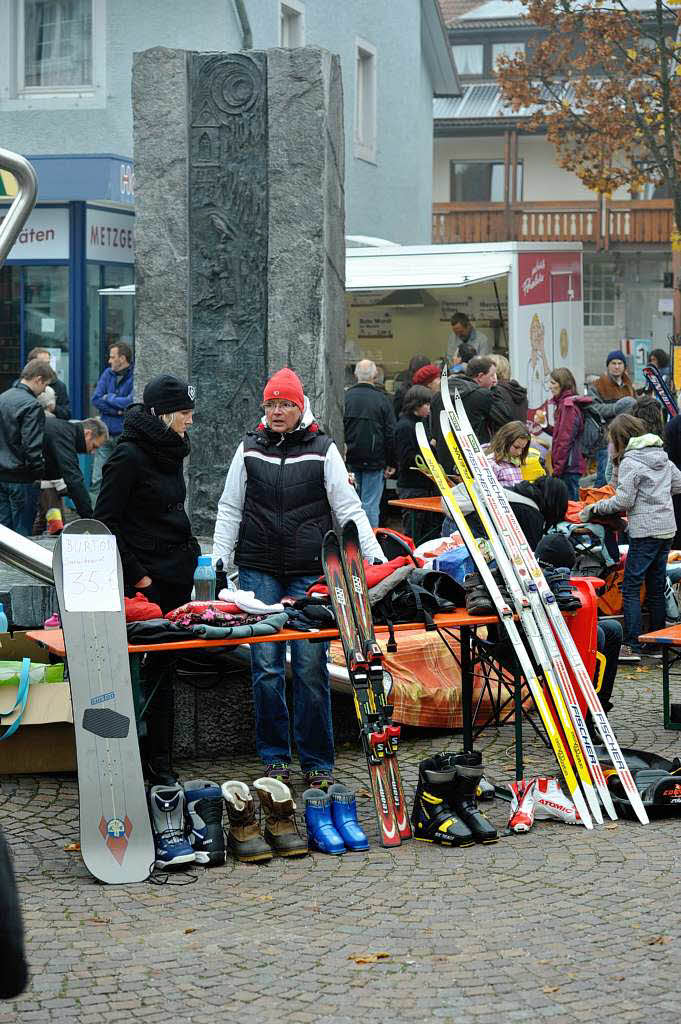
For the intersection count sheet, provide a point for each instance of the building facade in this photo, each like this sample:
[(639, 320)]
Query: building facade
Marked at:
[(494, 180), (65, 76)]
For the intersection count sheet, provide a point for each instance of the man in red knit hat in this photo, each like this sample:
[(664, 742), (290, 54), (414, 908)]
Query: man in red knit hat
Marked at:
[(286, 481)]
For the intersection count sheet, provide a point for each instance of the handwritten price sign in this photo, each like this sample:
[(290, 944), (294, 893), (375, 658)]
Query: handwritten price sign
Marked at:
[(90, 573)]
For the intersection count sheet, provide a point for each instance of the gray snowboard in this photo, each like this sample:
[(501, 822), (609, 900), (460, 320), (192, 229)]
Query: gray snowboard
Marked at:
[(116, 841)]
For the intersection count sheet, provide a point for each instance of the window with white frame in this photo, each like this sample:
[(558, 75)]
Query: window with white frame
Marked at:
[(365, 101), (506, 49), (599, 294), (55, 45), (480, 181), (469, 58), (291, 23)]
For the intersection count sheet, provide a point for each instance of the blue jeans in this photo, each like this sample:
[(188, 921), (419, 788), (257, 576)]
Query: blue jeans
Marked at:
[(571, 481), (601, 463), (646, 562), (18, 506), (370, 484), (312, 726)]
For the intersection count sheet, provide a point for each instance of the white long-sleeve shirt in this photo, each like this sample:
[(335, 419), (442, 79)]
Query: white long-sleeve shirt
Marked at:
[(342, 497)]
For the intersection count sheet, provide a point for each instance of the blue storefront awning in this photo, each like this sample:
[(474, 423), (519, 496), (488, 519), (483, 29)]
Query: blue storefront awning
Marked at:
[(72, 176)]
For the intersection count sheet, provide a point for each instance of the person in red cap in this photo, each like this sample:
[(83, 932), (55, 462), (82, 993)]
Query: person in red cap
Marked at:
[(285, 483), (428, 377)]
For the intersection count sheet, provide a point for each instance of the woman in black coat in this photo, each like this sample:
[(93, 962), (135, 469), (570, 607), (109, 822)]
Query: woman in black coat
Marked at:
[(410, 482), (141, 500), (143, 492)]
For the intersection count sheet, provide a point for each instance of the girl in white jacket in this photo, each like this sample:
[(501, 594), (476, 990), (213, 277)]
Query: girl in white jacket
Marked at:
[(646, 480)]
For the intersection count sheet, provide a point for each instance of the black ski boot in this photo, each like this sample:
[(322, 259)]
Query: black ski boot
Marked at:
[(433, 819), (463, 793)]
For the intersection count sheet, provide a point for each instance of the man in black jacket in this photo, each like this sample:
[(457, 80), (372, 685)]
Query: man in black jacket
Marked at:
[(475, 388), (64, 441), (22, 427), (369, 425)]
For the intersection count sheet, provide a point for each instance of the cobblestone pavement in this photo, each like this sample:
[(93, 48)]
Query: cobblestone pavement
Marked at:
[(560, 925)]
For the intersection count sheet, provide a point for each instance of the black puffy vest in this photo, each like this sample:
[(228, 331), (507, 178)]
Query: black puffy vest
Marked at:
[(286, 510)]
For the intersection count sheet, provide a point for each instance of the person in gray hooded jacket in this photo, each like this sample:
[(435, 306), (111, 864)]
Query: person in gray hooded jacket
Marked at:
[(646, 481)]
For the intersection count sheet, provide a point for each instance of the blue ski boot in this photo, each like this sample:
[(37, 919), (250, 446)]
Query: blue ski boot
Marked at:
[(167, 805), (344, 815), (204, 806), (321, 832)]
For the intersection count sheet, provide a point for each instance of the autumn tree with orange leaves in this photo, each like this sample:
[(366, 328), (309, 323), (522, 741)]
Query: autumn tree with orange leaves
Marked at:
[(604, 81)]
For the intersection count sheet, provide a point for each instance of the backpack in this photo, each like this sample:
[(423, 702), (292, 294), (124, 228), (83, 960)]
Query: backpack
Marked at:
[(593, 436)]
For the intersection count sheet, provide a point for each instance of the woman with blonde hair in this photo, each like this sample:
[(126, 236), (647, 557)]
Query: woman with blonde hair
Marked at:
[(507, 392), (507, 452)]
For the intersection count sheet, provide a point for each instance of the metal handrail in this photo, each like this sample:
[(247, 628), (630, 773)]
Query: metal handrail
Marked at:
[(23, 203), (17, 551)]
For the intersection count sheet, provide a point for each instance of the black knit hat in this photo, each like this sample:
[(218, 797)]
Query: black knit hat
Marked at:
[(167, 394), (556, 549)]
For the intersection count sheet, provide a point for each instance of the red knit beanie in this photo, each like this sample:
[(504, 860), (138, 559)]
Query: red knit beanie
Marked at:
[(426, 374), (285, 384)]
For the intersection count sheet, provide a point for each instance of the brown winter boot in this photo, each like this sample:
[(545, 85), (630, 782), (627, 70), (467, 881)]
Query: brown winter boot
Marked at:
[(244, 839), (281, 828)]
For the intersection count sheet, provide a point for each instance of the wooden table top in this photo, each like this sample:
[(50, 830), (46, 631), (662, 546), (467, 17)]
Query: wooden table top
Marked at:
[(53, 639)]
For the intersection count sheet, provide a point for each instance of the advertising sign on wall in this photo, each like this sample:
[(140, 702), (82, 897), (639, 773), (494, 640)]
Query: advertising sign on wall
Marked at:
[(109, 236), (45, 236), (549, 319)]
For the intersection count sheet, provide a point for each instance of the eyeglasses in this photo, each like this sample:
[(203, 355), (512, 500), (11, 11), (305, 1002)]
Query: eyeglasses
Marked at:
[(284, 406)]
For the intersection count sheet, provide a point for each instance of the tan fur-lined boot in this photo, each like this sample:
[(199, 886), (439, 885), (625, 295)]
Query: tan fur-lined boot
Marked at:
[(244, 839), (281, 828)]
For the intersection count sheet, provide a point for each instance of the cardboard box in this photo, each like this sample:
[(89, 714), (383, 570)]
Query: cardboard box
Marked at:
[(44, 742)]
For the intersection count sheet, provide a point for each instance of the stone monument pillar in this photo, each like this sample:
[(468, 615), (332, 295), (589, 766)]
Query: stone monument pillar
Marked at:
[(240, 238)]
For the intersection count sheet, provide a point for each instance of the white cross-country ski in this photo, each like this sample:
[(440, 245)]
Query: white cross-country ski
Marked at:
[(538, 631), (503, 514), (505, 614)]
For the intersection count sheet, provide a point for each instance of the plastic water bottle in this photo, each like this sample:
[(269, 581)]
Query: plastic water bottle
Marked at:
[(204, 579), (4, 625)]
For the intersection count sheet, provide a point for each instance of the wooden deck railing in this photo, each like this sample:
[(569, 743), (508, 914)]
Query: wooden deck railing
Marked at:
[(644, 222)]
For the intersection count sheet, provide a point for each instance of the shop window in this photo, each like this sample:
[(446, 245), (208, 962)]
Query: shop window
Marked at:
[(365, 101), (10, 357), (291, 23), (599, 294), (479, 181), (108, 319), (469, 58), (46, 314)]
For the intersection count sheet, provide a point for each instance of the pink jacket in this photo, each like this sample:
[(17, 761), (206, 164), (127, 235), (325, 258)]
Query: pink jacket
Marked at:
[(568, 425)]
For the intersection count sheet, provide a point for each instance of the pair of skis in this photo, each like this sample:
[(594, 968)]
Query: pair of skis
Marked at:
[(660, 387), (344, 572), (539, 614)]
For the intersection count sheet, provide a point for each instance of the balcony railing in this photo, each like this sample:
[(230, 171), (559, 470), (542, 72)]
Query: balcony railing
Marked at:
[(644, 222)]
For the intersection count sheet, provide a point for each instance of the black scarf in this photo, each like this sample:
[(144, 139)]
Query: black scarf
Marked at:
[(166, 447)]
